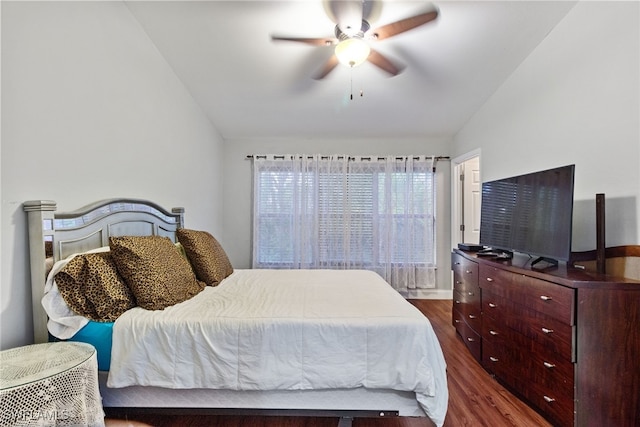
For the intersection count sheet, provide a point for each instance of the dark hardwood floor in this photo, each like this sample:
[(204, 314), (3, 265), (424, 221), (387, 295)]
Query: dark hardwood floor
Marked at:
[(475, 398)]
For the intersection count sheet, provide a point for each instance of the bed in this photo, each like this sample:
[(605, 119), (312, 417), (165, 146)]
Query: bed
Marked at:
[(301, 342)]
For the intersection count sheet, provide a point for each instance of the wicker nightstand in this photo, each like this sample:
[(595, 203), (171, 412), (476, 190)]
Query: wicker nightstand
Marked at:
[(51, 384)]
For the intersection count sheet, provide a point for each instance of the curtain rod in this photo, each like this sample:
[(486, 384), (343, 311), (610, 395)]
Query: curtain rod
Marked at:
[(252, 156)]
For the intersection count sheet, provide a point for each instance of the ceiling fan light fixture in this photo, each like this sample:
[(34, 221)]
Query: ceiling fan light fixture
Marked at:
[(352, 52)]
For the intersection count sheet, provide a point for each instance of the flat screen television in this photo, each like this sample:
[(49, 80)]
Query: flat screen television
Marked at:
[(530, 213)]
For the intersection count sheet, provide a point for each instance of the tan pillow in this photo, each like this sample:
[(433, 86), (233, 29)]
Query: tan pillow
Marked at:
[(209, 260), (91, 287), (154, 270)]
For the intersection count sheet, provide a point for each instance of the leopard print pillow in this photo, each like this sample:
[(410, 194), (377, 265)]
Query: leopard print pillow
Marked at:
[(91, 287), (209, 260), (154, 270)]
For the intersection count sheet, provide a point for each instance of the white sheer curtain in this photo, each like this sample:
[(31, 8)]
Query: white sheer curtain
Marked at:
[(374, 213)]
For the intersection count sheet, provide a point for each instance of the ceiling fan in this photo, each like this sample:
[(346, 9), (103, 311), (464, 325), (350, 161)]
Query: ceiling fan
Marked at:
[(353, 34)]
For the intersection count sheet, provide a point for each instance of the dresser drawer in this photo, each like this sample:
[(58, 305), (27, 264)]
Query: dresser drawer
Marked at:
[(469, 307), (456, 318), (549, 371), (553, 300), (546, 332), (557, 405), (471, 339), (465, 274)]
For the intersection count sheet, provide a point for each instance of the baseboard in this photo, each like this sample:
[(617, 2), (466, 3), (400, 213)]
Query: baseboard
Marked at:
[(428, 294)]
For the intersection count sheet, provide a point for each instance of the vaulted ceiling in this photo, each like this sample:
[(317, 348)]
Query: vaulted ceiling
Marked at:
[(251, 87)]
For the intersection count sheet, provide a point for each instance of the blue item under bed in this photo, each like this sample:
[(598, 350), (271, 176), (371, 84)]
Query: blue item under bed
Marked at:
[(99, 335)]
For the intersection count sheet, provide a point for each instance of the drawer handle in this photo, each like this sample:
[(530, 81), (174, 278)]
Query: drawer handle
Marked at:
[(458, 282), (470, 339), (470, 294), (469, 271), (545, 298), (489, 279), (493, 359), (456, 263), (457, 321), (548, 399), (548, 365), (457, 302), (492, 305), (547, 331), (473, 316), (494, 333)]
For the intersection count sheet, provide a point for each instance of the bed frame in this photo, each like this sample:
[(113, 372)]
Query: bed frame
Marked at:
[(54, 236)]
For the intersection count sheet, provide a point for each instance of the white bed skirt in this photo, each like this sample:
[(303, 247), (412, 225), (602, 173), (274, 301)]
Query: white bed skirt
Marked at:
[(359, 399)]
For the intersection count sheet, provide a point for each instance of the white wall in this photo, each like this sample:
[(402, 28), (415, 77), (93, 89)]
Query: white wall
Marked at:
[(236, 237), (90, 110), (575, 99)]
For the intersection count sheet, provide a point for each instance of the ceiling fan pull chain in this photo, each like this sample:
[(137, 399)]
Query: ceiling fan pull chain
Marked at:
[(351, 82), (351, 85)]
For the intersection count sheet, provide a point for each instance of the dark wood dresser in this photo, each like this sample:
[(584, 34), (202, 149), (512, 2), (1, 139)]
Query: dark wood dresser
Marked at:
[(467, 310), (565, 340)]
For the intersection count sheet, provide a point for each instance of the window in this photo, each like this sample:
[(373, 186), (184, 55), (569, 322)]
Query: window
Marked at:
[(340, 212)]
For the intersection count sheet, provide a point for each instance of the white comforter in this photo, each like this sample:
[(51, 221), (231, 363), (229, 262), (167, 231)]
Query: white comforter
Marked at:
[(286, 330)]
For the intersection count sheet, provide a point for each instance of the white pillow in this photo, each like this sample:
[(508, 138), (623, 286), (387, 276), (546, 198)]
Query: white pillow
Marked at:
[(63, 322)]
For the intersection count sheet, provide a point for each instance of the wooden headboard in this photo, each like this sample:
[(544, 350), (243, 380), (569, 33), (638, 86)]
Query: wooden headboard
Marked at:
[(54, 236)]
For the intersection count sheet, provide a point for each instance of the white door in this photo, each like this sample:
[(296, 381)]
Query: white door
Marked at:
[(471, 196)]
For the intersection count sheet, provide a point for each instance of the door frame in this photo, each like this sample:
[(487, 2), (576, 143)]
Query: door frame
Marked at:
[(456, 192)]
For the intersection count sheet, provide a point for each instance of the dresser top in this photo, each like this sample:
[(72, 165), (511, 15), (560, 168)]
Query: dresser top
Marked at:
[(564, 273)]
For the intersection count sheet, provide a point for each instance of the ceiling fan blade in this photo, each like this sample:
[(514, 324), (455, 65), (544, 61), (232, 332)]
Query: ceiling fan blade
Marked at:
[(347, 14), (371, 10), (403, 25), (380, 61), (327, 41), (327, 68)]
